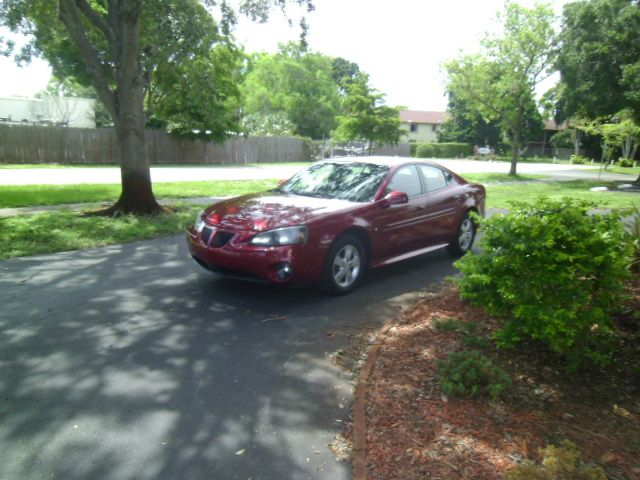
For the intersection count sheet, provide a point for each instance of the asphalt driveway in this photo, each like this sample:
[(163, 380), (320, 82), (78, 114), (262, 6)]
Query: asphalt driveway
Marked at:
[(129, 362)]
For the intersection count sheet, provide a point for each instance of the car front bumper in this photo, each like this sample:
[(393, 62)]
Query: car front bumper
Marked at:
[(238, 259)]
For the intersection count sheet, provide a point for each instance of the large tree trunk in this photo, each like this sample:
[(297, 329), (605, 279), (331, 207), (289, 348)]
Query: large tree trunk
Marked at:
[(137, 194), (121, 29)]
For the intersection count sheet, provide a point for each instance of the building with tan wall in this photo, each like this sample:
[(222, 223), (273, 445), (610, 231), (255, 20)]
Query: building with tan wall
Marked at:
[(422, 126)]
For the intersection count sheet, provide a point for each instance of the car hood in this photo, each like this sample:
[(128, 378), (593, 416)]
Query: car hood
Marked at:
[(268, 210)]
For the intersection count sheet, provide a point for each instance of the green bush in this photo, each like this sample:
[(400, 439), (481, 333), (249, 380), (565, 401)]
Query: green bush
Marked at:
[(425, 150), (443, 150), (578, 159), (469, 373), (413, 147), (625, 162), (562, 462), (551, 272)]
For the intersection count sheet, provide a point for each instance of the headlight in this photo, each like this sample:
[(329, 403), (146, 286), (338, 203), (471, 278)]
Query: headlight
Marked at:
[(199, 224), (281, 236)]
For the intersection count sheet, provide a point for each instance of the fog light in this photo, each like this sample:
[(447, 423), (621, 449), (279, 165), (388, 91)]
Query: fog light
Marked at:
[(284, 271)]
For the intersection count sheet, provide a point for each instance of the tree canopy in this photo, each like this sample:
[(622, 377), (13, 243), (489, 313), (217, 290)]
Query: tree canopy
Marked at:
[(298, 83), (110, 46), (365, 117), (499, 83), (599, 58)]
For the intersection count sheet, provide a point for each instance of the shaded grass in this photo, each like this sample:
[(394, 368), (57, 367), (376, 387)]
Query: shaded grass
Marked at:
[(66, 230), (499, 196), (12, 196)]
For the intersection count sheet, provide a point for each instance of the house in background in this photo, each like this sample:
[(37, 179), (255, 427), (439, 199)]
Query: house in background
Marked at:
[(73, 112), (422, 126)]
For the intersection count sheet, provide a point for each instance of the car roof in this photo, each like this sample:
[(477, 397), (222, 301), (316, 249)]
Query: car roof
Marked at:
[(380, 160)]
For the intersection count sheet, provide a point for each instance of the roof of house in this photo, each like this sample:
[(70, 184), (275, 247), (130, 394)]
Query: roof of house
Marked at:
[(420, 116)]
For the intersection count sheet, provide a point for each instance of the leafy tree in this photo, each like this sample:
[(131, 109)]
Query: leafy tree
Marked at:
[(599, 58), (365, 117), (297, 82), (344, 73), (467, 125), (102, 43), (272, 125), (499, 83)]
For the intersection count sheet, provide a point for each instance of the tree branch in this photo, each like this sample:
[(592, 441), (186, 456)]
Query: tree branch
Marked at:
[(95, 18), (71, 17)]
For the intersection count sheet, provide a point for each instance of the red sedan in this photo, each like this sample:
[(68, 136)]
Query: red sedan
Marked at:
[(334, 220)]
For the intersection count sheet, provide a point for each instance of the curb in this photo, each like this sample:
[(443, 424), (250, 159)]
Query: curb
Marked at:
[(359, 461)]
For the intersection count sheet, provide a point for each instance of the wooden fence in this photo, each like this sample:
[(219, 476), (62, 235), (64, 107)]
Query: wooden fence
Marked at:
[(31, 144)]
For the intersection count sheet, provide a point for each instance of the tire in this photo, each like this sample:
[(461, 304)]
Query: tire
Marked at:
[(465, 235), (344, 266)]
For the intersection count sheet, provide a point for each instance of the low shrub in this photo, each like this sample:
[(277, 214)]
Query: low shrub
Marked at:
[(448, 325), (625, 162), (467, 330), (563, 462), (578, 159), (469, 373), (425, 150), (552, 272)]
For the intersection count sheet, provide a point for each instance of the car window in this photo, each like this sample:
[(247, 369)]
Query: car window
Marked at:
[(434, 178), (356, 182), (406, 180)]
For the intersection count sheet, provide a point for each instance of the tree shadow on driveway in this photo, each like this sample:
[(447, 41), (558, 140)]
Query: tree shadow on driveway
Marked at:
[(128, 362)]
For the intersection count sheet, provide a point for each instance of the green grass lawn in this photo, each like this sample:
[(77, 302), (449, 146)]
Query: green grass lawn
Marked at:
[(626, 170), (499, 196), (12, 196), (65, 230)]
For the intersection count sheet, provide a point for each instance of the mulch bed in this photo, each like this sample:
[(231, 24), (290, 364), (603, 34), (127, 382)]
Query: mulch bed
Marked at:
[(415, 432)]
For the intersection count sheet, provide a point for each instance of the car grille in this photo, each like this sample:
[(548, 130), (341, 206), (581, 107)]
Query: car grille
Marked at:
[(215, 238)]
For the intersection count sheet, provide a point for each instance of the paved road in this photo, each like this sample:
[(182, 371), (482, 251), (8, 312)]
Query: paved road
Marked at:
[(130, 362), (63, 176)]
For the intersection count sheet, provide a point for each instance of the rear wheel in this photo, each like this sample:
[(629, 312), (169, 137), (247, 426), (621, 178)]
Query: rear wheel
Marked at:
[(465, 236), (344, 265)]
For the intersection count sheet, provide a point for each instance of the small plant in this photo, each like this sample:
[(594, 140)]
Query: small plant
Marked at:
[(559, 463), (551, 272), (468, 330), (469, 373), (448, 325)]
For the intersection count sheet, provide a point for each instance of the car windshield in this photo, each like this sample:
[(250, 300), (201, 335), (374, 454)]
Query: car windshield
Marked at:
[(356, 182)]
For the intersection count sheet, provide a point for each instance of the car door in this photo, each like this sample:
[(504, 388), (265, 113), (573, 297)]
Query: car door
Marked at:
[(397, 227), (440, 204)]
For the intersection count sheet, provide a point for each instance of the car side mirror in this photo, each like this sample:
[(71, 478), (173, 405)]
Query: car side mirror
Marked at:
[(394, 198)]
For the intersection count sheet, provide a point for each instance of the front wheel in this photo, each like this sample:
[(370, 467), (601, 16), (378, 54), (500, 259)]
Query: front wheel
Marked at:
[(344, 265), (464, 237)]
